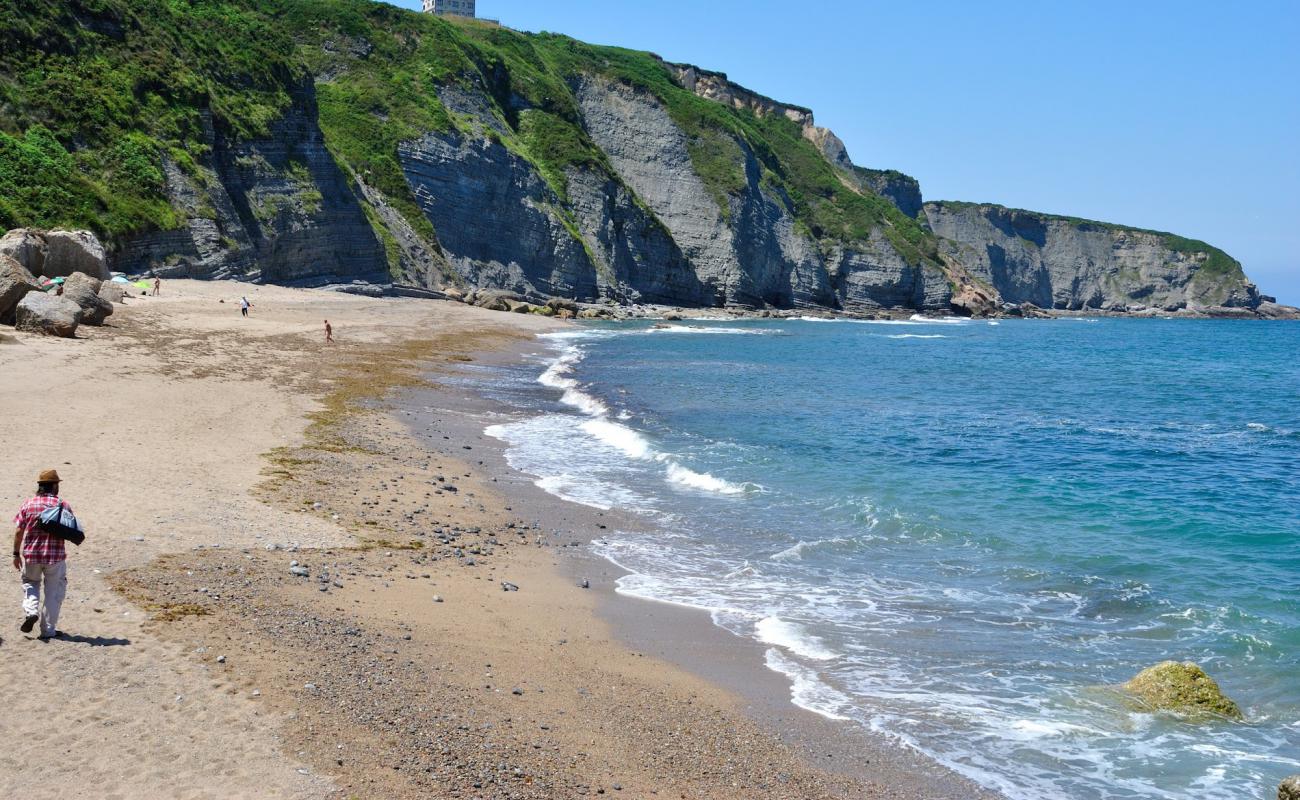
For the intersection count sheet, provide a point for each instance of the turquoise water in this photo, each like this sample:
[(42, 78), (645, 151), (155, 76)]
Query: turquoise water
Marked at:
[(963, 533)]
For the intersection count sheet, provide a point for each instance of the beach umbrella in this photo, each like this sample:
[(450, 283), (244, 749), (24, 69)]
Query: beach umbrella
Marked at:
[(141, 284), (121, 279), (58, 280)]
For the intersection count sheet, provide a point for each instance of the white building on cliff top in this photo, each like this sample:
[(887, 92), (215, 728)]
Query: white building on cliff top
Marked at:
[(458, 8)]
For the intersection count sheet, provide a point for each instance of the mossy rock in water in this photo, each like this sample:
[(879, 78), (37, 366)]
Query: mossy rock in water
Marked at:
[(1289, 789), (1171, 686)]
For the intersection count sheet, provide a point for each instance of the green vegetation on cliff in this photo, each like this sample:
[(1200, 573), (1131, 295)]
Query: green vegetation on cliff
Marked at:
[(94, 94)]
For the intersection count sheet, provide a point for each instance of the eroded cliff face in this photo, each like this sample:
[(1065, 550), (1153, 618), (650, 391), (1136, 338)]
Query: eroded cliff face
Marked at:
[(356, 142), (1060, 263), (276, 208)]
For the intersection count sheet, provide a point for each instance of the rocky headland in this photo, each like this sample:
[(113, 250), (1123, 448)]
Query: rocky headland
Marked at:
[(532, 164)]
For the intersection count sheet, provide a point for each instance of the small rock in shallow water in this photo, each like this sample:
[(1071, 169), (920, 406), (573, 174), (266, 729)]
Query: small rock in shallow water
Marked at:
[(1182, 687)]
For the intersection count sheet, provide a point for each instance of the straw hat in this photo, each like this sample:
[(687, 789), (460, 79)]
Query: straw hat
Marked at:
[(48, 476)]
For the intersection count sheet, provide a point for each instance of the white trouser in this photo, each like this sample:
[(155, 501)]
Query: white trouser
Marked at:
[(54, 577)]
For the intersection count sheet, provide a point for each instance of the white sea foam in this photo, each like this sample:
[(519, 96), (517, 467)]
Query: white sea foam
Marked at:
[(916, 336), (792, 637), (701, 480), (939, 320), (807, 690), (621, 437), (718, 330), (587, 491)]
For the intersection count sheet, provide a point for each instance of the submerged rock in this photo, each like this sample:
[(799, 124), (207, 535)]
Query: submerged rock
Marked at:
[(1183, 687), (1289, 789)]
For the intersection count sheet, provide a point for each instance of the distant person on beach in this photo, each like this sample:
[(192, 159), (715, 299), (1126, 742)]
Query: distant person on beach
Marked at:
[(157, 286), (41, 558), (329, 333), (244, 305)]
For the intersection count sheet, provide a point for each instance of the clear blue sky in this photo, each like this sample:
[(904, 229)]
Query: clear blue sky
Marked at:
[(1179, 116)]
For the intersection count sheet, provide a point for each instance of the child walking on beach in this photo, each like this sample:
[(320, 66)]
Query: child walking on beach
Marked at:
[(244, 305)]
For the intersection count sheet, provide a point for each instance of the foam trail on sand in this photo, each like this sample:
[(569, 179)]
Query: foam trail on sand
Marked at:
[(807, 691)]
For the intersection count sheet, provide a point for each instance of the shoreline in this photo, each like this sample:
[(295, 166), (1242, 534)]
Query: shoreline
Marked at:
[(682, 636), (240, 447)]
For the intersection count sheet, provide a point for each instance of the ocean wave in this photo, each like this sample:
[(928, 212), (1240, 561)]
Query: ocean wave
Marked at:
[(916, 336), (718, 330), (620, 437), (793, 637), (702, 480), (602, 495), (919, 318), (807, 690)]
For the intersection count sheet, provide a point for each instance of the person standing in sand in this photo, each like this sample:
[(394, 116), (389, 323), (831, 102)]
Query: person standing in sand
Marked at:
[(41, 558), (244, 305), (329, 333), (157, 286)]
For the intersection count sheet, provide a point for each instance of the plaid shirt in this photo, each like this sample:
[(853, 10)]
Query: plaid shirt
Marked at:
[(39, 547)]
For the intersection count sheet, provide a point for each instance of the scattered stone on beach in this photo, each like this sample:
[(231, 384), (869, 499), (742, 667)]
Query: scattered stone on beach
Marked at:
[(1289, 789), (509, 587), (16, 281), (300, 571), (49, 314), (584, 584), (437, 598), (74, 251), (1181, 687), (83, 290)]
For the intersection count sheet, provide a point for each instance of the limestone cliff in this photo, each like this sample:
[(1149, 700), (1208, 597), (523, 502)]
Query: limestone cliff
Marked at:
[(1069, 264), (354, 141)]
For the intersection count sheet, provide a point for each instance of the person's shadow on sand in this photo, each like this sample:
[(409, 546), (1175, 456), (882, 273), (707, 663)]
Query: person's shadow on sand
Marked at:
[(93, 641)]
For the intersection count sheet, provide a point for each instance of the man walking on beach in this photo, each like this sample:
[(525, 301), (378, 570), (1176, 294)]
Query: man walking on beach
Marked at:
[(41, 558), (157, 286), (329, 333)]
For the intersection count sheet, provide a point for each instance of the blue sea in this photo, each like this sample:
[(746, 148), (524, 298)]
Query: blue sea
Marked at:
[(962, 534)]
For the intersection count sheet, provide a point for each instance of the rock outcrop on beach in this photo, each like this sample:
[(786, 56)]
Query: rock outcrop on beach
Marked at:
[(48, 314), (1181, 687), (1289, 789), (529, 163), (15, 282), (84, 290)]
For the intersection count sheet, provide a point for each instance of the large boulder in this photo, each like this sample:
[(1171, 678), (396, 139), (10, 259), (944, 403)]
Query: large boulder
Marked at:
[(1289, 789), (83, 290), (74, 251), (15, 283), (1181, 687), (49, 314), (25, 246), (494, 300), (113, 291)]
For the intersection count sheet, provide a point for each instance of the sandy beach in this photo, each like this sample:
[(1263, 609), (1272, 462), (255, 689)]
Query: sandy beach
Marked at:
[(291, 589)]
